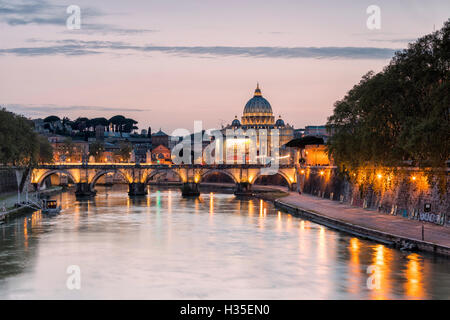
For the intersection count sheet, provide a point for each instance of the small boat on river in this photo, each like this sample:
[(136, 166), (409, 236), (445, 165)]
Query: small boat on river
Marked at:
[(50, 207)]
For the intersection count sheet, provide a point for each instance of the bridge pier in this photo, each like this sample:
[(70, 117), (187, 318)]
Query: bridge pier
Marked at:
[(137, 189), (243, 188), (83, 189), (190, 189)]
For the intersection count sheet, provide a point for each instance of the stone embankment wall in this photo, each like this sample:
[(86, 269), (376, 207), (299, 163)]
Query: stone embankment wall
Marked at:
[(8, 182), (410, 193)]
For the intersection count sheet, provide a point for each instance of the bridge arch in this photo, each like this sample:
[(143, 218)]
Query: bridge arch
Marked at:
[(100, 174), (280, 173), (162, 171), (213, 171), (48, 173)]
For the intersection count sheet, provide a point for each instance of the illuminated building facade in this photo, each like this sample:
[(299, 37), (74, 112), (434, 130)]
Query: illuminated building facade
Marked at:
[(258, 115)]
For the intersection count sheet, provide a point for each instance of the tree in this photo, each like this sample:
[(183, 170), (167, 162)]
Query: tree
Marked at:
[(400, 115), (52, 119), (45, 150), (96, 150), (129, 125), (81, 124), (124, 151), (19, 144), (117, 122)]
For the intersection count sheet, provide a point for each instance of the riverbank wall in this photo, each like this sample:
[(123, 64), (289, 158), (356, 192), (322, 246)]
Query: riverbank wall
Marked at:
[(386, 238), (8, 181), (409, 193)]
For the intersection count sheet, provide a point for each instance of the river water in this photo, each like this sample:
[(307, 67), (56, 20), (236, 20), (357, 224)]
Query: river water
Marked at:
[(215, 247)]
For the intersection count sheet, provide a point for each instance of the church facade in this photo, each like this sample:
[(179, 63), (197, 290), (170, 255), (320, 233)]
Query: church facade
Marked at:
[(258, 116)]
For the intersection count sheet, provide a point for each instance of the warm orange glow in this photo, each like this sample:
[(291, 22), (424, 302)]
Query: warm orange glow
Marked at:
[(354, 266), (379, 176), (25, 232), (211, 203), (250, 208), (322, 173), (354, 244), (302, 171), (414, 286), (413, 178), (381, 259)]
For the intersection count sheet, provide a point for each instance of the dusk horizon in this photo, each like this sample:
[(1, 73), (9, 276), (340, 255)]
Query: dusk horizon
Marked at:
[(194, 62)]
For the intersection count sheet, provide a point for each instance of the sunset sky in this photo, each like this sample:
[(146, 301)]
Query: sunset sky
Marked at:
[(167, 63)]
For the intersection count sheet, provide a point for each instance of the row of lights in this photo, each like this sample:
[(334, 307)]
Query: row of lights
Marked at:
[(379, 176), (321, 172)]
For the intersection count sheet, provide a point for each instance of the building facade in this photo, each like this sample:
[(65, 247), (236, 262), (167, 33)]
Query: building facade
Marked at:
[(258, 116)]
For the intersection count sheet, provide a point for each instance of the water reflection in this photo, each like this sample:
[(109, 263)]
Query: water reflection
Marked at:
[(216, 247), (414, 274)]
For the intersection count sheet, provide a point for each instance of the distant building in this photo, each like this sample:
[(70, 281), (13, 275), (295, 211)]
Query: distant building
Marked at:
[(141, 145), (316, 155), (160, 138), (100, 132), (66, 150), (317, 131), (161, 155), (257, 115)]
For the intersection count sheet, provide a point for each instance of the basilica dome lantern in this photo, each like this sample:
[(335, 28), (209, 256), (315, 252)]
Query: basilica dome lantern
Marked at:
[(258, 111)]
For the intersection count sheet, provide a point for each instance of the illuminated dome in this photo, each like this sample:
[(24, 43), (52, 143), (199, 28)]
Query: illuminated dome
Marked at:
[(236, 122), (258, 110), (280, 122)]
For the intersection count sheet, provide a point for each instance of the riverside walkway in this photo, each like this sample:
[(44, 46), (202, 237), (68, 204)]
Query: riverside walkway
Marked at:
[(369, 223)]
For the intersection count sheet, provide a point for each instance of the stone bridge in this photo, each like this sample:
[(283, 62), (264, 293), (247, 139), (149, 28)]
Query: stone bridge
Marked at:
[(85, 176)]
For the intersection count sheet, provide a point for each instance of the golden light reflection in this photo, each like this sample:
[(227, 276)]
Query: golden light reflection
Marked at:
[(381, 258), (261, 207), (261, 214), (321, 251), (211, 203), (251, 208), (302, 225), (414, 275), (169, 202), (354, 244), (25, 232), (279, 222), (288, 222), (197, 204), (354, 266)]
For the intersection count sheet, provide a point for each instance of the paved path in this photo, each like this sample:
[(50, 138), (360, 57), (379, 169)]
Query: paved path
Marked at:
[(394, 225)]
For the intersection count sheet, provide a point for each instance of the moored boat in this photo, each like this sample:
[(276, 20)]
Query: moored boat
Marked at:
[(50, 207)]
